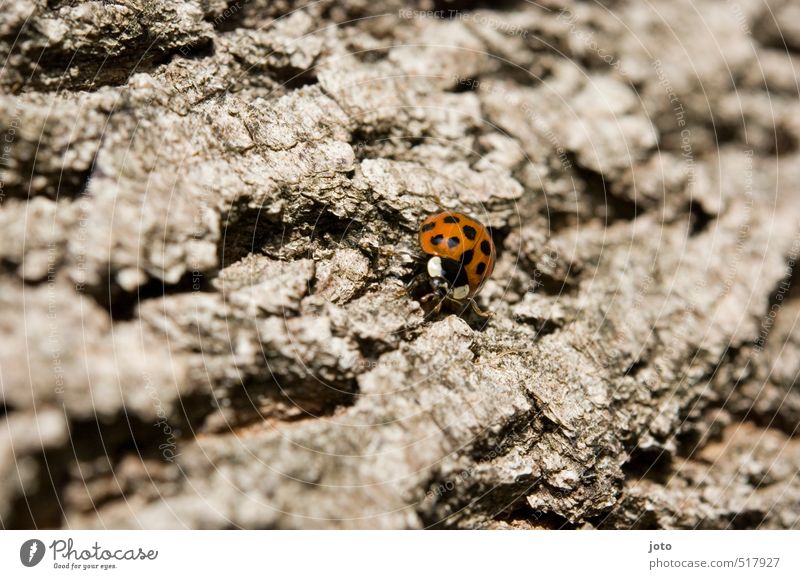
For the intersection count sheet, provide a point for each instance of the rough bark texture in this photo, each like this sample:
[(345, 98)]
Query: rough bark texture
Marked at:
[(209, 209)]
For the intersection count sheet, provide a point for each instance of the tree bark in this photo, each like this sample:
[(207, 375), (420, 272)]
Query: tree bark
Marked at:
[(209, 210)]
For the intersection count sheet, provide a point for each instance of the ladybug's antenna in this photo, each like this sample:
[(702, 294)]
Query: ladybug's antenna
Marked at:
[(436, 199), (433, 195)]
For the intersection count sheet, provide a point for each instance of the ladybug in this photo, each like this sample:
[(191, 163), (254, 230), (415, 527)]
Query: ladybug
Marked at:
[(462, 256)]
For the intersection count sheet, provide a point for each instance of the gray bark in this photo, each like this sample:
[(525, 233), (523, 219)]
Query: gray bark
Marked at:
[(209, 210)]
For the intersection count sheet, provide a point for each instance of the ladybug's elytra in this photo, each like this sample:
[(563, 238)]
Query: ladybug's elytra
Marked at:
[(462, 256)]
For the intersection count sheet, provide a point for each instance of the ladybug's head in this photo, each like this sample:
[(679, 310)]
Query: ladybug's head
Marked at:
[(448, 278)]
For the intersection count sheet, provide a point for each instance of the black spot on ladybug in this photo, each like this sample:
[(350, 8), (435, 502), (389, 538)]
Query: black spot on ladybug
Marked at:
[(437, 239), (486, 249), (453, 242), (481, 268), (427, 227), (466, 257), (470, 232), (451, 219)]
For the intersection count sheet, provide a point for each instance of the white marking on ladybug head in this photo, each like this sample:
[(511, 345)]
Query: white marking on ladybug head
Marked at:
[(435, 267), (459, 293)]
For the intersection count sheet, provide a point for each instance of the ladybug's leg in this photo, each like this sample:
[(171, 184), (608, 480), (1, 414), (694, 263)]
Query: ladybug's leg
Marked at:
[(426, 298), (415, 282), (437, 308), (479, 311), (412, 285)]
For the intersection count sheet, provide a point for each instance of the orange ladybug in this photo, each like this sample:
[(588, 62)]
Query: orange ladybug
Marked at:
[(462, 256)]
